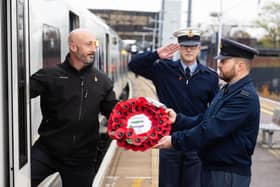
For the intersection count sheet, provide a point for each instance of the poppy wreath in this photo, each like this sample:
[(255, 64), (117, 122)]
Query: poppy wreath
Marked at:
[(138, 123)]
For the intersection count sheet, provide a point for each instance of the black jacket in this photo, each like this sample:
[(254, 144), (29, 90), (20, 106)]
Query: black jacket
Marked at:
[(70, 103)]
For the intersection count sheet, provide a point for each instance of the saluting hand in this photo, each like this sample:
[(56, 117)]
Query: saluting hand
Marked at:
[(167, 51)]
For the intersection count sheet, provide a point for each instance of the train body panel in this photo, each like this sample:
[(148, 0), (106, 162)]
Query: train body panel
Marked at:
[(34, 35)]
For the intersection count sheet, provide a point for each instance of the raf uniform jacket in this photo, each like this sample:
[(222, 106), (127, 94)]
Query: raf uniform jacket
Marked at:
[(225, 135), (169, 79), (70, 103)]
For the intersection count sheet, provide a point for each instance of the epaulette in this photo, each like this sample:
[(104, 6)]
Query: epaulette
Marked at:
[(245, 93), (212, 69)]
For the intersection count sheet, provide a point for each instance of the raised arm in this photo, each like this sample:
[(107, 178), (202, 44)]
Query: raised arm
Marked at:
[(167, 51), (145, 63)]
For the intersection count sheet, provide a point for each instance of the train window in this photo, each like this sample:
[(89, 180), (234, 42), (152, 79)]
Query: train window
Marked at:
[(99, 62), (51, 46), (22, 105), (96, 59), (74, 21), (101, 58)]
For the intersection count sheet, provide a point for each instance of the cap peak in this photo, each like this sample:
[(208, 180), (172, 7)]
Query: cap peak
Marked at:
[(233, 49)]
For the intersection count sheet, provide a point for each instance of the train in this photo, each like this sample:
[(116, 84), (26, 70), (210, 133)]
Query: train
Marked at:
[(34, 35)]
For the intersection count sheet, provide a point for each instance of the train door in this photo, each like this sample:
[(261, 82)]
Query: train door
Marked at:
[(4, 168), (18, 95), (107, 43)]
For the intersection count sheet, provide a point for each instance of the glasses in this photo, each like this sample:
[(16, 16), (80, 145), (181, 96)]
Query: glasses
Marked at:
[(93, 44)]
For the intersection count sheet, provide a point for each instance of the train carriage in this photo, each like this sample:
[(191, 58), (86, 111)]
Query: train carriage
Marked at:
[(34, 35)]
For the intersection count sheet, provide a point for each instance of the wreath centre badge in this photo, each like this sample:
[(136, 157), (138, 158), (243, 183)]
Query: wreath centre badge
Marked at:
[(140, 123)]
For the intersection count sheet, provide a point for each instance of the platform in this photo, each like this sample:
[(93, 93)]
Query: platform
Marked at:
[(129, 168)]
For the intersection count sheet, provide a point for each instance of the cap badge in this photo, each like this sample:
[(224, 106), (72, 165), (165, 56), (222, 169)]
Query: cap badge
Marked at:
[(190, 33)]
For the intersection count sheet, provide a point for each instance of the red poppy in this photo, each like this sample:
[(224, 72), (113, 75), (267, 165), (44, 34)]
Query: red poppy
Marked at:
[(138, 123)]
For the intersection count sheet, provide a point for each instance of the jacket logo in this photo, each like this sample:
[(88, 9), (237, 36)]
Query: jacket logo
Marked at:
[(95, 79), (63, 77)]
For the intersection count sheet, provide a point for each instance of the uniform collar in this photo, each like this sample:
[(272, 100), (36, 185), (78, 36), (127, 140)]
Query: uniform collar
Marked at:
[(234, 86), (177, 64), (192, 67)]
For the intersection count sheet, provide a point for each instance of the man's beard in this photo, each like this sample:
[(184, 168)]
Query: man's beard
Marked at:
[(229, 76), (90, 62), (84, 58)]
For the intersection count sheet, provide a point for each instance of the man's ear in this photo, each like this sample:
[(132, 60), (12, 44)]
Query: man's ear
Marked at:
[(73, 47), (241, 63)]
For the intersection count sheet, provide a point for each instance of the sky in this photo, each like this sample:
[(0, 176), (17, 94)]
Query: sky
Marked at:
[(233, 11)]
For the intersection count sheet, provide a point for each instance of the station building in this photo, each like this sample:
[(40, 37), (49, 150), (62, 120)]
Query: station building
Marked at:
[(138, 26)]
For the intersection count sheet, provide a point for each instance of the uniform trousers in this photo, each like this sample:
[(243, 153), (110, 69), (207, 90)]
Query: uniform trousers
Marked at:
[(73, 173), (212, 178), (180, 169)]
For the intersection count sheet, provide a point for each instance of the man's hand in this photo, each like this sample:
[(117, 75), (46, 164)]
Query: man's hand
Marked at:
[(164, 143), (167, 51), (171, 114)]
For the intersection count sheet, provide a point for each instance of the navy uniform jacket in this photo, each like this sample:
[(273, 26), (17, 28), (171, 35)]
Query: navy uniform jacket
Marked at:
[(226, 133), (170, 82)]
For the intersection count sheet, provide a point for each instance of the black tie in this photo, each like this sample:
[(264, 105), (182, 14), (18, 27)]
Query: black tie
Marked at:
[(188, 73), (225, 89)]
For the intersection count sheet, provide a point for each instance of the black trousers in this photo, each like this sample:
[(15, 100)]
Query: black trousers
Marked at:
[(179, 169), (212, 178), (72, 172)]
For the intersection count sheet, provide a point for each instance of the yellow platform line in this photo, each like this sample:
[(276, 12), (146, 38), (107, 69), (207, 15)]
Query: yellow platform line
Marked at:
[(267, 107), (275, 153), (137, 183), (269, 112)]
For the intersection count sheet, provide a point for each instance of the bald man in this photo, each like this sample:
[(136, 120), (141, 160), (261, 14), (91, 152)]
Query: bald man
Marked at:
[(72, 95)]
